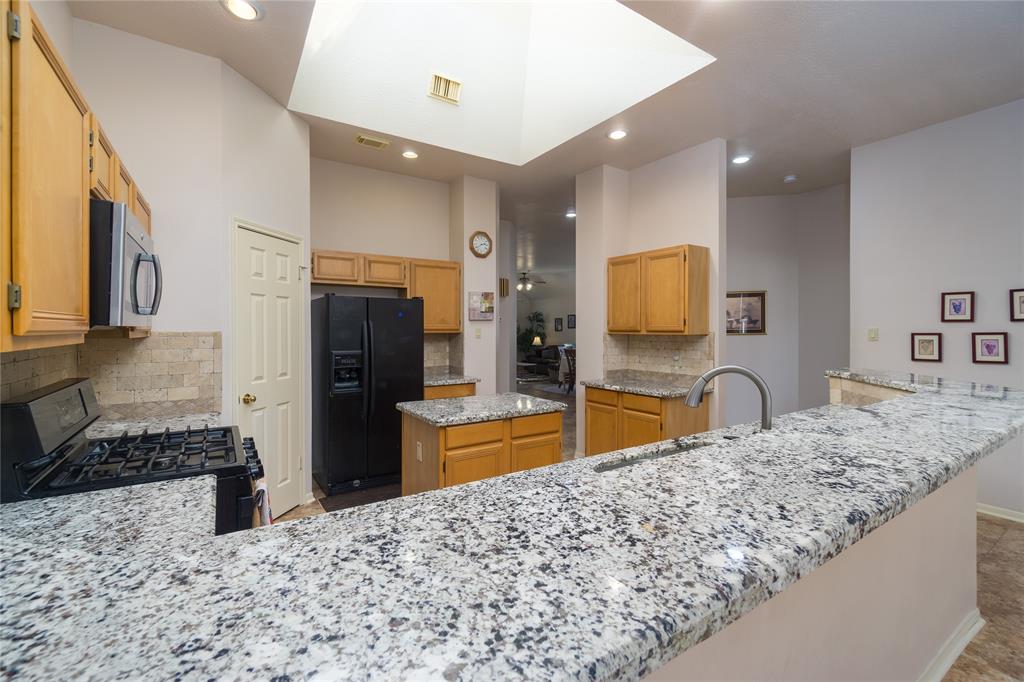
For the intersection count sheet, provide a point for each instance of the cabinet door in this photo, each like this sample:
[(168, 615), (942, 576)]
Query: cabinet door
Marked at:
[(602, 432), (664, 291), (640, 428), (142, 211), (624, 299), (473, 463), (536, 451), (123, 185), (439, 283), (384, 270), (336, 266), (50, 187), (103, 172)]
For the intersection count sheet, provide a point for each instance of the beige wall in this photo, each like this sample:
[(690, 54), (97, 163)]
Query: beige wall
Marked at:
[(941, 209), (362, 209)]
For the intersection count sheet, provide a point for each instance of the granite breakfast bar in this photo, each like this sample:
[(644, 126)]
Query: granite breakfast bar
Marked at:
[(668, 566)]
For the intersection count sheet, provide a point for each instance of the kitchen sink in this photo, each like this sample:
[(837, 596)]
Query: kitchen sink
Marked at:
[(630, 461)]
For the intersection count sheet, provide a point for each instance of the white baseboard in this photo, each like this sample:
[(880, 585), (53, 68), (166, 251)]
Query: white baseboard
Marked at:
[(953, 647), (1001, 512)]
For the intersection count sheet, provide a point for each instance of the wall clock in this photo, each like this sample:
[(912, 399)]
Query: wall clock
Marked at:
[(480, 244)]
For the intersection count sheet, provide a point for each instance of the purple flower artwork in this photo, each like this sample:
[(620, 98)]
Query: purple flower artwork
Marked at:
[(990, 348)]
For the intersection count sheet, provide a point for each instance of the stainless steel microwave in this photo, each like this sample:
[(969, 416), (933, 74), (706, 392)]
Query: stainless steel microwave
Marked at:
[(125, 279)]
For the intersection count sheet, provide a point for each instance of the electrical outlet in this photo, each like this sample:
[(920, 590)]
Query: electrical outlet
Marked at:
[(872, 333), (476, 332), (675, 358), (419, 451)]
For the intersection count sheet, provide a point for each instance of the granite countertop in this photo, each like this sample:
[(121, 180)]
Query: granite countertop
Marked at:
[(111, 428), (640, 382), (444, 376), (559, 572), (478, 408)]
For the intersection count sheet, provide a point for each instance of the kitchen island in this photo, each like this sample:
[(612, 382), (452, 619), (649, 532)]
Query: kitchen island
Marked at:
[(663, 566), (459, 440)]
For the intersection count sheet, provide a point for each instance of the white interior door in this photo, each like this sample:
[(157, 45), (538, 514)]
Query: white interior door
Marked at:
[(268, 342)]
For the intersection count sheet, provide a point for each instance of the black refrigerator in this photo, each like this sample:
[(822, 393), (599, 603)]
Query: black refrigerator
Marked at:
[(367, 356)]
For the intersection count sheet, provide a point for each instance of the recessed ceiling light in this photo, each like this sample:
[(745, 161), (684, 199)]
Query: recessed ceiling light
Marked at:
[(789, 179), (243, 9), (617, 134), (410, 154), (571, 213), (741, 159)]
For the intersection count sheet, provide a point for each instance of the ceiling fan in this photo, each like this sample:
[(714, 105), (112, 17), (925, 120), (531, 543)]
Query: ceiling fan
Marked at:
[(526, 283)]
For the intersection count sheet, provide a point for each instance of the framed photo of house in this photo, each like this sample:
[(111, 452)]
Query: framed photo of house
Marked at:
[(558, 324), (990, 347), (1016, 305), (958, 306), (745, 312), (926, 347), (572, 320)]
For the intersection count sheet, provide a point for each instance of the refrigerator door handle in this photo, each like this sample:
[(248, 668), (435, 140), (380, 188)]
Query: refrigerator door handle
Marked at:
[(366, 369), (368, 366)]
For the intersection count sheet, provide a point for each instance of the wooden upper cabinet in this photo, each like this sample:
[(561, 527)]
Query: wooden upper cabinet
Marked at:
[(624, 294), (384, 270), (336, 266), (103, 173), (123, 184), (50, 188), (659, 292), (142, 211), (664, 290), (439, 283)]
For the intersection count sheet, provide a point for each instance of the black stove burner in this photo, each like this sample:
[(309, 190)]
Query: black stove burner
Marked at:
[(149, 455)]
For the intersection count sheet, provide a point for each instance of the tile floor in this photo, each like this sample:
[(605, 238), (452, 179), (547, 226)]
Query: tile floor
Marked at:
[(997, 652)]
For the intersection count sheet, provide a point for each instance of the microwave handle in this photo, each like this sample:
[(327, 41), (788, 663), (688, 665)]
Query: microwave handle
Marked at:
[(159, 280)]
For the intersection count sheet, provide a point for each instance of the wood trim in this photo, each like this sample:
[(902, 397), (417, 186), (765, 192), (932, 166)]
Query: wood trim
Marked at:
[(448, 391)]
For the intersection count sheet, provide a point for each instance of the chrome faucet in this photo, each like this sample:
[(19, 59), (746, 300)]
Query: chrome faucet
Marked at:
[(696, 394)]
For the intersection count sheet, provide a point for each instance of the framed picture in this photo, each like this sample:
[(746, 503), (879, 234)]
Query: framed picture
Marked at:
[(481, 305), (558, 324), (572, 320), (958, 306), (745, 312), (990, 347), (926, 347), (1016, 305)]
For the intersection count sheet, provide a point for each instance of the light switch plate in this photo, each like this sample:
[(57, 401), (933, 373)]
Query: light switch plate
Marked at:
[(476, 332), (872, 333)]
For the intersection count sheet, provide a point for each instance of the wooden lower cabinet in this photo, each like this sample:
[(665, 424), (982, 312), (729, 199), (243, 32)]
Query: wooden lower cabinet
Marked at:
[(437, 457), (449, 391), (617, 420)]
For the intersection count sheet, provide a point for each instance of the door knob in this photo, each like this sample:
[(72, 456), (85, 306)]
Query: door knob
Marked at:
[(248, 398)]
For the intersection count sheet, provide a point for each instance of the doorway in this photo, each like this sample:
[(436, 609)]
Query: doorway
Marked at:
[(269, 310)]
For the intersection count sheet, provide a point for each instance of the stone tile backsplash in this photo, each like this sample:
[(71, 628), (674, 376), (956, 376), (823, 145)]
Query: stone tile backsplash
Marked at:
[(22, 371), (167, 373), (435, 350), (654, 353)]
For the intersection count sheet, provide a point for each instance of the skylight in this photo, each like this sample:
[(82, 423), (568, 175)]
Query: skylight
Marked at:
[(530, 74)]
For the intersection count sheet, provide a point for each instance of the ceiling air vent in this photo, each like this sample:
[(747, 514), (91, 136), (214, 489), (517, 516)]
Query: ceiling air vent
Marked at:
[(374, 142), (445, 89)]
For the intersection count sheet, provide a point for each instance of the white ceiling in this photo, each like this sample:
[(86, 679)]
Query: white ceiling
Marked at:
[(533, 73), (798, 84)]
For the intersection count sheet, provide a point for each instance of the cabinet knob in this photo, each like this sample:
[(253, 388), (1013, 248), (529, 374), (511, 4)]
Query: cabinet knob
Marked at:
[(248, 398)]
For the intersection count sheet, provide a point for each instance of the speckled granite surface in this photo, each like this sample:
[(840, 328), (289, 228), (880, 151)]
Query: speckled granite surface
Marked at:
[(639, 382), (478, 408), (111, 428), (555, 573), (443, 376)]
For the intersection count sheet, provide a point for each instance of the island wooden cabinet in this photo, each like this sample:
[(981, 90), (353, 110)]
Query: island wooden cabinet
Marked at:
[(616, 420), (659, 292), (45, 235), (439, 283), (437, 457)]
